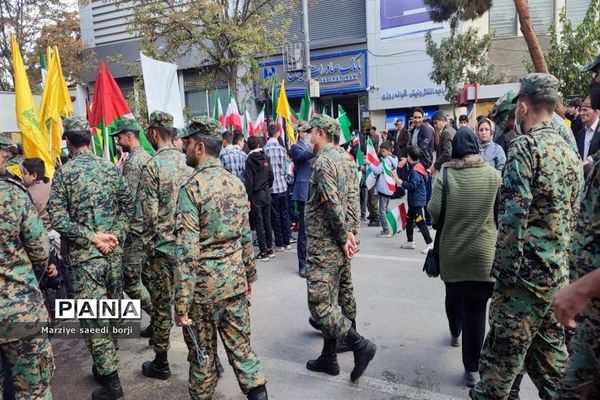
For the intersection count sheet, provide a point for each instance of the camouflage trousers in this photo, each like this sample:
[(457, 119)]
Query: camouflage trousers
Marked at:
[(134, 259), (159, 276), (524, 335), (100, 278), (323, 277), (231, 319), (582, 377), (30, 365)]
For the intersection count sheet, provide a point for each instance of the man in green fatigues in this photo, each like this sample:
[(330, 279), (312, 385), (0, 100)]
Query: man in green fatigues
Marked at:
[(215, 269), (162, 177), (127, 136), (331, 244), (542, 184), (25, 354), (582, 298), (89, 206)]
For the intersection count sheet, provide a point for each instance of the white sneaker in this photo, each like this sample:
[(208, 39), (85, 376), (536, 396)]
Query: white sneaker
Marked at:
[(426, 249), (287, 247), (408, 245)]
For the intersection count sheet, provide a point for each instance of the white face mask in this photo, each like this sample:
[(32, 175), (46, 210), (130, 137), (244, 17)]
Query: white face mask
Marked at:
[(307, 139)]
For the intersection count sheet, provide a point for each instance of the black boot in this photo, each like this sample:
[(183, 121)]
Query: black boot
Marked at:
[(100, 379), (314, 323), (147, 333), (342, 346), (327, 361), (516, 387), (111, 390), (364, 351), (158, 368), (258, 393)]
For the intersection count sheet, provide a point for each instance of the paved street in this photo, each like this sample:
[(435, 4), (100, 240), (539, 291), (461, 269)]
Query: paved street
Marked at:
[(399, 308)]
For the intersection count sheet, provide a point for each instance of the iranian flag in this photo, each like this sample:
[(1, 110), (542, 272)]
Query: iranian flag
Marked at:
[(370, 177), (259, 124), (389, 178), (397, 218), (107, 108), (360, 158), (248, 124), (218, 112), (233, 119), (345, 124)]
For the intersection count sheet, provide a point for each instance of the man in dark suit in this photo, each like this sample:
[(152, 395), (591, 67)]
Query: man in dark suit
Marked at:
[(302, 157), (588, 138), (422, 137)]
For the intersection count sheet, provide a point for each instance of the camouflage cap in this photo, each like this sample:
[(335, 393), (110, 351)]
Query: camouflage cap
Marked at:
[(160, 119), (325, 122), (203, 126), (5, 141), (304, 126), (538, 85), (126, 125), (592, 66), (503, 105), (75, 124)]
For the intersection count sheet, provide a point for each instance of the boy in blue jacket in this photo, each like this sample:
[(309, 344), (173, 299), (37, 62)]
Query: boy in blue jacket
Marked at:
[(381, 187), (417, 199)]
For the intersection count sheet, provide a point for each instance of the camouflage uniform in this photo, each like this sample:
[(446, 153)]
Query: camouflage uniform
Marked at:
[(328, 214), (89, 196), (162, 177), (582, 377), (134, 256), (25, 355), (542, 183), (215, 265)]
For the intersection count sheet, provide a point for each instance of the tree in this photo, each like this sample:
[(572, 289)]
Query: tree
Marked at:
[(65, 33), (535, 51), (462, 57), (578, 46), (24, 18), (225, 35)]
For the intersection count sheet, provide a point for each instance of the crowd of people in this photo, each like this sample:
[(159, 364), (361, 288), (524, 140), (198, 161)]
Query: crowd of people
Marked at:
[(506, 197)]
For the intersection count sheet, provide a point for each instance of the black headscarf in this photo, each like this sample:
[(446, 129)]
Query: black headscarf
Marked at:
[(464, 143)]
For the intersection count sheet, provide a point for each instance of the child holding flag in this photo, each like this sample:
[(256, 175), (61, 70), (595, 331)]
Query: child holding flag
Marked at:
[(385, 186), (417, 198)]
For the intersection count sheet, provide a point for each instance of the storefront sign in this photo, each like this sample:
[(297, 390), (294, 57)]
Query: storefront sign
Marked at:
[(414, 93), (337, 73)]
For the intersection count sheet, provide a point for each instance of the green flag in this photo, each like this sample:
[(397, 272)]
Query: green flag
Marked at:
[(274, 99), (345, 124), (305, 108), (324, 110)]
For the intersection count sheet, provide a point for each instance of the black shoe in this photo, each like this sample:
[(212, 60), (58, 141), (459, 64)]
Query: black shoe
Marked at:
[(302, 272), (158, 368), (516, 388), (219, 367), (255, 243), (314, 323), (292, 241), (100, 379), (258, 393), (374, 223), (262, 257), (327, 361), (111, 390), (364, 351), (147, 333)]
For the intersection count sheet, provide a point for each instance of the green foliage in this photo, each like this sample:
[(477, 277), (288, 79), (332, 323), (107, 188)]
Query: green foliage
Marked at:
[(224, 34), (461, 57), (444, 10), (575, 47)]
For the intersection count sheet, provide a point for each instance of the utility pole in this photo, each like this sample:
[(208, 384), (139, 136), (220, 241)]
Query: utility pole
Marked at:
[(306, 47)]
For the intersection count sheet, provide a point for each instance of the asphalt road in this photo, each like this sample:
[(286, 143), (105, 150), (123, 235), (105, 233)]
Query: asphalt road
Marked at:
[(399, 308)]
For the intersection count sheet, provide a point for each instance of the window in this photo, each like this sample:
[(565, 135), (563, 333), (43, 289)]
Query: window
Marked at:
[(576, 10), (503, 16), (202, 102)]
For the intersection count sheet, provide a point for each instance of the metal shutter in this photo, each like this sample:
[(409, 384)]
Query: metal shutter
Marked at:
[(576, 10), (542, 14), (503, 18)]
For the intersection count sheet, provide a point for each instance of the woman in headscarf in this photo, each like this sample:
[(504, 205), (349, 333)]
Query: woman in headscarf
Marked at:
[(491, 152), (467, 244)]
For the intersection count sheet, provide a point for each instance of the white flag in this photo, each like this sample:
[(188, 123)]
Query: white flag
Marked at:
[(162, 88)]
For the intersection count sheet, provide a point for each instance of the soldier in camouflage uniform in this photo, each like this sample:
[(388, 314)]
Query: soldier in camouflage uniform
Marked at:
[(134, 257), (162, 177), (331, 244), (216, 267), (89, 206), (6, 154), (542, 183), (582, 377), (25, 354)]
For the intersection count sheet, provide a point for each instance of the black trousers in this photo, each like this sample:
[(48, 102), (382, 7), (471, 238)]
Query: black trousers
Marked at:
[(261, 215), (415, 216), (466, 306), (301, 245)]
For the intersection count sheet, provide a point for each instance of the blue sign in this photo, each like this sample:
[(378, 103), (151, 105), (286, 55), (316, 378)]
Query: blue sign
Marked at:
[(337, 73)]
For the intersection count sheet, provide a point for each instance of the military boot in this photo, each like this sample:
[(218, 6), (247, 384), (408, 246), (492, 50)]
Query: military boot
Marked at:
[(147, 333), (258, 393), (342, 346), (327, 361), (516, 388), (110, 390), (313, 322), (100, 379), (158, 368), (364, 351)]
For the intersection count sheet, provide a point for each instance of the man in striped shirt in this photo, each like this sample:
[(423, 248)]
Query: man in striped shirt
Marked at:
[(233, 157)]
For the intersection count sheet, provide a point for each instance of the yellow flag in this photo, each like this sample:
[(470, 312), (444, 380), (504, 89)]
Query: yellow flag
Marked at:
[(56, 104), (34, 142), (283, 109)]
